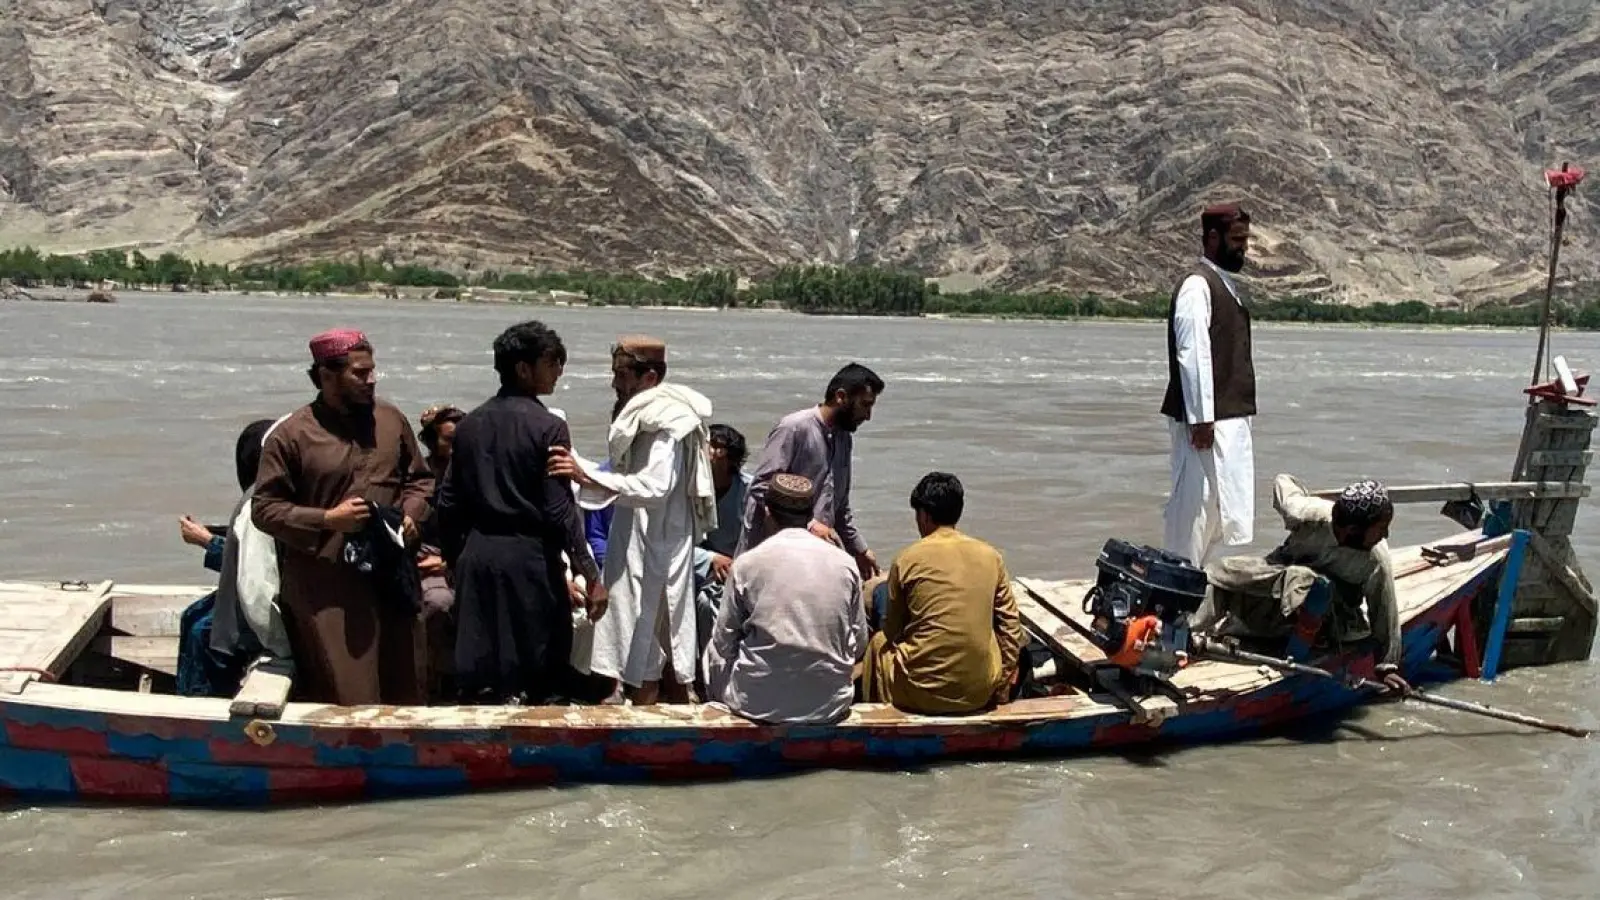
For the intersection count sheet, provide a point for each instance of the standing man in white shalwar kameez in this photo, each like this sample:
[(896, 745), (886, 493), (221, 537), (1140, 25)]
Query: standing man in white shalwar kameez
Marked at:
[(665, 503), (1211, 396)]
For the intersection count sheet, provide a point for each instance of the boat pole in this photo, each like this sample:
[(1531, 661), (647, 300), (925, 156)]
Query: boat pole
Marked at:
[(1226, 652), (1504, 715), (1562, 182)]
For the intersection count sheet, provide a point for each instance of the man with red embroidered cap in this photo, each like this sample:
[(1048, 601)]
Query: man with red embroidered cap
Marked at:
[(332, 475), (1211, 395)]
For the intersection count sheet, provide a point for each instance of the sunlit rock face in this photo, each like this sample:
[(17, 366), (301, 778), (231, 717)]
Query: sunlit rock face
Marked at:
[(1387, 150)]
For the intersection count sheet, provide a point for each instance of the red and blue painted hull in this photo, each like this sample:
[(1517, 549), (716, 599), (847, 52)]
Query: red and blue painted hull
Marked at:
[(65, 744)]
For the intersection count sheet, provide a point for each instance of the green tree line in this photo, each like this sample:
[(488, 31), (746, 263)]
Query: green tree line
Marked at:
[(1581, 315), (822, 290), (846, 290)]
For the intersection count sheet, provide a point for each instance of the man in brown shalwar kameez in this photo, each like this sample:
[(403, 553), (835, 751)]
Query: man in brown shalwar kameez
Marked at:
[(321, 470)]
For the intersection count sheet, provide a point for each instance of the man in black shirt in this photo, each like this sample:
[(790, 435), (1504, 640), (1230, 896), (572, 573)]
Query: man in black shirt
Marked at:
[(503, 525)]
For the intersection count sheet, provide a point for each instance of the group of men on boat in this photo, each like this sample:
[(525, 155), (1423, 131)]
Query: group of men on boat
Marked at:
[(490, 562)]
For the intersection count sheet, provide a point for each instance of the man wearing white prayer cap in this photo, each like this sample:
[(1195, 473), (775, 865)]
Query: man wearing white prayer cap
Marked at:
[(1344, 540)]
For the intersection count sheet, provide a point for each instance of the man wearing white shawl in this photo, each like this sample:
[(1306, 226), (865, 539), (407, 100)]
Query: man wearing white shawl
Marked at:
[(666, 502)]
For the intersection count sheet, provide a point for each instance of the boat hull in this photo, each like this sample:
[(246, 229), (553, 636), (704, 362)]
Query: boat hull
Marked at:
[(60, 743)]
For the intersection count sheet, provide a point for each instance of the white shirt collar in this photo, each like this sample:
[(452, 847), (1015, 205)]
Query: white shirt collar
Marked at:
[(1226, 279)]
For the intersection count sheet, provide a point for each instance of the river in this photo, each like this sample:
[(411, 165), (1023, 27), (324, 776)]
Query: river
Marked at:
[(117, 419)]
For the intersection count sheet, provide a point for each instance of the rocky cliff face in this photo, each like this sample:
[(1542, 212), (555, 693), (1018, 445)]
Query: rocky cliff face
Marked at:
[(1389, 150)]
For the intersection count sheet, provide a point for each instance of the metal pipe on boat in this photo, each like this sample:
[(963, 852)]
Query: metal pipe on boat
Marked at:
[(1562, 183), (1225, 652)]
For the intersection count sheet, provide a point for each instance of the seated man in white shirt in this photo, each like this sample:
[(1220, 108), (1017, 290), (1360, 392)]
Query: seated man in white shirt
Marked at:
[(792, 624)]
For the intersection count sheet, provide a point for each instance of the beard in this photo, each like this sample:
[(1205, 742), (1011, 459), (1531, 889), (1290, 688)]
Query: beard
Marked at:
[(1229, 260), (356, 398)]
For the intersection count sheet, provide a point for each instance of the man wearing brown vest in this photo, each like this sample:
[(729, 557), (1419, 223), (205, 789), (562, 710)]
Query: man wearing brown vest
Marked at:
[(1211, 396)]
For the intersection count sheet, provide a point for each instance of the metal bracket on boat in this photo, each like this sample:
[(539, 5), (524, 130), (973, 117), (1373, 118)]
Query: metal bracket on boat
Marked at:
[(79, 585), (260, 733), (1112, 679), (1449, 554), (1467, 513)]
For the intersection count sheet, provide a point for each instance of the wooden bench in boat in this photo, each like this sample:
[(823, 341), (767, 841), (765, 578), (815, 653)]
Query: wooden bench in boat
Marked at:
[(44, 627), (135, 624), (263, 694)]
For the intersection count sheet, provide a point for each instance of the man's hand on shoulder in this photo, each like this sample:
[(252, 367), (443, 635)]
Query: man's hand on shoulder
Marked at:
[(867, 563), (564, 465), (825, 532)]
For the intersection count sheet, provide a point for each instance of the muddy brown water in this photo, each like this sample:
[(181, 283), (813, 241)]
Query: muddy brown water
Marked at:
[(119, 418)]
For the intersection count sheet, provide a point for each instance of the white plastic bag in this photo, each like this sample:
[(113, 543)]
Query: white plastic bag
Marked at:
[(582, 631), (257, 582)]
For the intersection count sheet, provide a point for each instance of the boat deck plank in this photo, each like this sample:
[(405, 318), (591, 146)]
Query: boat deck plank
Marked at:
[(1046, 613), (44, 627)]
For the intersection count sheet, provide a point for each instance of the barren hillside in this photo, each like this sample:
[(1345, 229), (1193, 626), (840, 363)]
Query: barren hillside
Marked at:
[(1388, 149)]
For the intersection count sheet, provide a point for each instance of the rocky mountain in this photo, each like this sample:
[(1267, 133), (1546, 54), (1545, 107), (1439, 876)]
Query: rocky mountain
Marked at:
[(1388, 149)]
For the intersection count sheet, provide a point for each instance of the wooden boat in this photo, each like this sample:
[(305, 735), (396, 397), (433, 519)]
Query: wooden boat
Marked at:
[(79, 721)]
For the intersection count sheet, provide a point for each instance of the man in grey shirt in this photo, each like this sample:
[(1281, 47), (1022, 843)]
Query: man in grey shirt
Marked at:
[(817, 443), (793, 624)]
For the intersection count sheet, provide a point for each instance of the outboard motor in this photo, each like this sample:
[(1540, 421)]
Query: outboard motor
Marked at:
[(1140, 606)]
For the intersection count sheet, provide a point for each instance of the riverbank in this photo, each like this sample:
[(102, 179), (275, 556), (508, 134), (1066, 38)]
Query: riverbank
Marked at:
[(815, 290), (487, 297)]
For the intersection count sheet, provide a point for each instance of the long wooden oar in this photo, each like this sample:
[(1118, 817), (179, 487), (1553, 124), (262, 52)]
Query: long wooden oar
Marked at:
[(1229, 653)]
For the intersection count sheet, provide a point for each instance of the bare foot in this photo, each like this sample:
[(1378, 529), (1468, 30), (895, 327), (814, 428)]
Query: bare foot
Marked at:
[(646, 694)]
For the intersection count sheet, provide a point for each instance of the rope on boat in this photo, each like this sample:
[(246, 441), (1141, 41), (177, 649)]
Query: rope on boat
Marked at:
[(41, 674)]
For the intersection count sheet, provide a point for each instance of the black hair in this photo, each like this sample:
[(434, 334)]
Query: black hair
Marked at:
[(429, 435), (939, 494), (247, 452), (854, 379), (525, 342), (732, 442), (335, 363), (789, 518)]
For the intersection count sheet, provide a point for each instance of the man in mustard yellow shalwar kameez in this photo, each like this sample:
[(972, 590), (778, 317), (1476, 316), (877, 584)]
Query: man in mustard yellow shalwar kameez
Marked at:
[(951, 634)]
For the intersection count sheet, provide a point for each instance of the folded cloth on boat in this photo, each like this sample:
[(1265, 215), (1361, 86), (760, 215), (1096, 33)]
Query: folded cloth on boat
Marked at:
[(378, 551)]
